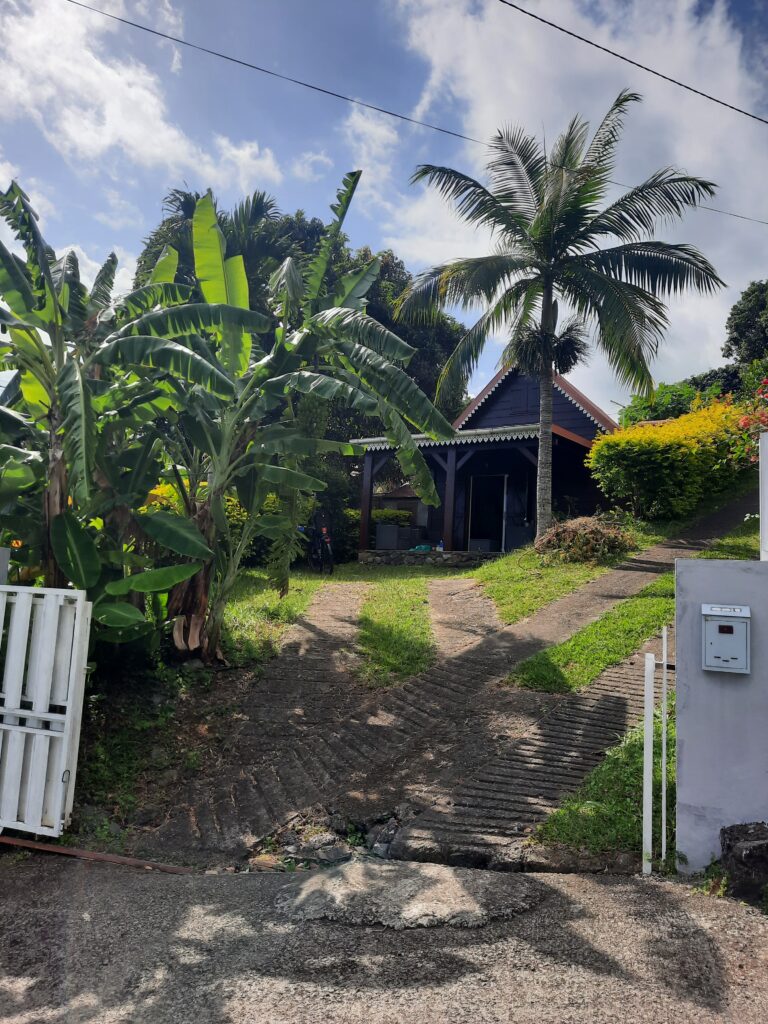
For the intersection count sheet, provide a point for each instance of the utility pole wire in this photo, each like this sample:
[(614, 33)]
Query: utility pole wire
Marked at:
[(372, 106), (634, 63)]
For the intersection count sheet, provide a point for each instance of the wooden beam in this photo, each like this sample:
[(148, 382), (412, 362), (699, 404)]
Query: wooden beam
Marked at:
[(528, 454), (465, 458), (107, 858), (570, 436), (365, 502), (439, 460), (450, 500)]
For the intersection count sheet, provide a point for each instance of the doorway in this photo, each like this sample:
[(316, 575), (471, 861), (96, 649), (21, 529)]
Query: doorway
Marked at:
[(486, 524)]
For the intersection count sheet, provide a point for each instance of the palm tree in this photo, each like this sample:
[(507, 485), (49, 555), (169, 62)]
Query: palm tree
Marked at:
[(555, 241)]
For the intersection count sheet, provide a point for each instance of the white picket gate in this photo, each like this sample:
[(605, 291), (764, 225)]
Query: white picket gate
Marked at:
[(43, 651)]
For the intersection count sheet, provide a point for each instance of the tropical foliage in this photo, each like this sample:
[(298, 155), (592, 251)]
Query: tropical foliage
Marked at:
[(181, 382), (666, 401), (664, 470), (557, 241), (747, 325)]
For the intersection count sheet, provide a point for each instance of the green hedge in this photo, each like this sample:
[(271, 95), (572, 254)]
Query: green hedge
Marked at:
[(663, 470), (391, 516)]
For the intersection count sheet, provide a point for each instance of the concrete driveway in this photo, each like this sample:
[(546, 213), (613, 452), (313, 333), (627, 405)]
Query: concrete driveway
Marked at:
[(103, 944)]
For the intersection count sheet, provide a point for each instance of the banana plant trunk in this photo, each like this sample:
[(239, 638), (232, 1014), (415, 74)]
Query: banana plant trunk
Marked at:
[(54, 500), (544, 469), (188, 601)]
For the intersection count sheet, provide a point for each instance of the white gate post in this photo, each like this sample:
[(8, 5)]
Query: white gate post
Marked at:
[(650, 671), (665, 657), (764, 496)]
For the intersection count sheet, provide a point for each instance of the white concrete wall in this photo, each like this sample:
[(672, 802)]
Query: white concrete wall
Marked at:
[(722, 718)]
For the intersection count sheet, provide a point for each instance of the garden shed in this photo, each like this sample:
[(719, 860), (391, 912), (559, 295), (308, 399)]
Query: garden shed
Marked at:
[(486, 474)]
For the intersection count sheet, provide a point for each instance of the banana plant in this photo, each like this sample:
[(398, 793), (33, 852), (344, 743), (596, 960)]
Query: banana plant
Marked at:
[(238, 376), (77, 452)]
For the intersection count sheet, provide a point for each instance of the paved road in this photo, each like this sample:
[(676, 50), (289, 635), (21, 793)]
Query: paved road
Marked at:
[(94, 944)]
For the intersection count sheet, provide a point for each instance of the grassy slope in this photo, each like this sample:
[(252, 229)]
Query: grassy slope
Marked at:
[(395, 639), (256, 615), (605, 813), (616, 634)]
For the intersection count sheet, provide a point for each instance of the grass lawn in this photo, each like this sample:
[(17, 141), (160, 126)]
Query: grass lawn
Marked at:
[(522, 582), (395, 639), (256, 614), (620, 631), (606, 812), (575, 663)]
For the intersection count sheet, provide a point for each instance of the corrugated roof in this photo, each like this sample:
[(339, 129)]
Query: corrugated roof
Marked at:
[(528, 430)]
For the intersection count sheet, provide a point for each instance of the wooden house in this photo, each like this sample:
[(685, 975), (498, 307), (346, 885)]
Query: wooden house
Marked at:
[(486, 475)]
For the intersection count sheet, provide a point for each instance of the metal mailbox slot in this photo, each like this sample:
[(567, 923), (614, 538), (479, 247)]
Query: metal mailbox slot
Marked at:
[(725, 638)]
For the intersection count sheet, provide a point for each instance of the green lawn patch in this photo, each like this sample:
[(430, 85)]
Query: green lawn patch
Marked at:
[(395, 639), (256, 614), (522, 582), (616, 634), (606, 812)]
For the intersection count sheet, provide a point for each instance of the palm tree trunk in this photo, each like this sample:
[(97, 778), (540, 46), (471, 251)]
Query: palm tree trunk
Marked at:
[(544, 469)]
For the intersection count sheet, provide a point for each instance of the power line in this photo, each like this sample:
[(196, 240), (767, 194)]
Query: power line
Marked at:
[(361, 103), (634, 63), (269, 71)]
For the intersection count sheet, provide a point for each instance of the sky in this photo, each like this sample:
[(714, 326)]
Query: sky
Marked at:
[(99, 121)]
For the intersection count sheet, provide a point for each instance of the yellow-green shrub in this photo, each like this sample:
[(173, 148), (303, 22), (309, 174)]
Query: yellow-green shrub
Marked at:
[(665, 469)]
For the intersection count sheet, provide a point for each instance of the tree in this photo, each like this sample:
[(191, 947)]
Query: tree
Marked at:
[(239, 374), (747, 325), (555, 242), (433, 343), (74, 450)]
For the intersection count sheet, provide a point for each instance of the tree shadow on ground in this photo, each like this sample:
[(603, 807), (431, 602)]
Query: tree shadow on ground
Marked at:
[(97, 943)]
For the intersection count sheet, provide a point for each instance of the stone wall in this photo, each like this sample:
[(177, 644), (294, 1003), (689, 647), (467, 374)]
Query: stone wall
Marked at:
[(450, 559)]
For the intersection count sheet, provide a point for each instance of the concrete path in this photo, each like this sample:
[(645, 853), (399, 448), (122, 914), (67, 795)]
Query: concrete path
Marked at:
[(94, 944), (308, 733), (481, 820)]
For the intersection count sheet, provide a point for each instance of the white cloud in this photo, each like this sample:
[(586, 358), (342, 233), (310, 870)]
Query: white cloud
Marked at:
[(120, 213), (92, 105), (168, 19), (487, 65), (372, 140), (89, 267), (244, 164), (311, 166)]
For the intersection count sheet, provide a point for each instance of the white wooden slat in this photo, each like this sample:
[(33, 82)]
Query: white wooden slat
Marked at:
[(37, 769), (10, 783), (63, 654), (71, 742), (3, 601), (55, 789), (16, 648), (42, 650)]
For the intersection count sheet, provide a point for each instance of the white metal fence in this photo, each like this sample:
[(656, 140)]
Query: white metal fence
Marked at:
[(43, 655)]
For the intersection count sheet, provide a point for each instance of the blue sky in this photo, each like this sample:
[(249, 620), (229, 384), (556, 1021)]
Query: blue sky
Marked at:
[(99, 121)]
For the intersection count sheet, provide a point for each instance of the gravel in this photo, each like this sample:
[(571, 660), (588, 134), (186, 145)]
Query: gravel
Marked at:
[(96, 943)]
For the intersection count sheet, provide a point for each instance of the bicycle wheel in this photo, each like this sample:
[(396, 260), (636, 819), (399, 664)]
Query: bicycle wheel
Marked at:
[(327, 554)]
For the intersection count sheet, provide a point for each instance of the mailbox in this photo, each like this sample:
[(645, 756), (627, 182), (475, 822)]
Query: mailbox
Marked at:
[(725, 638)]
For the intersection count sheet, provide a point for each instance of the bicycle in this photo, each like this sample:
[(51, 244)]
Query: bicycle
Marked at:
[(320, 552)]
